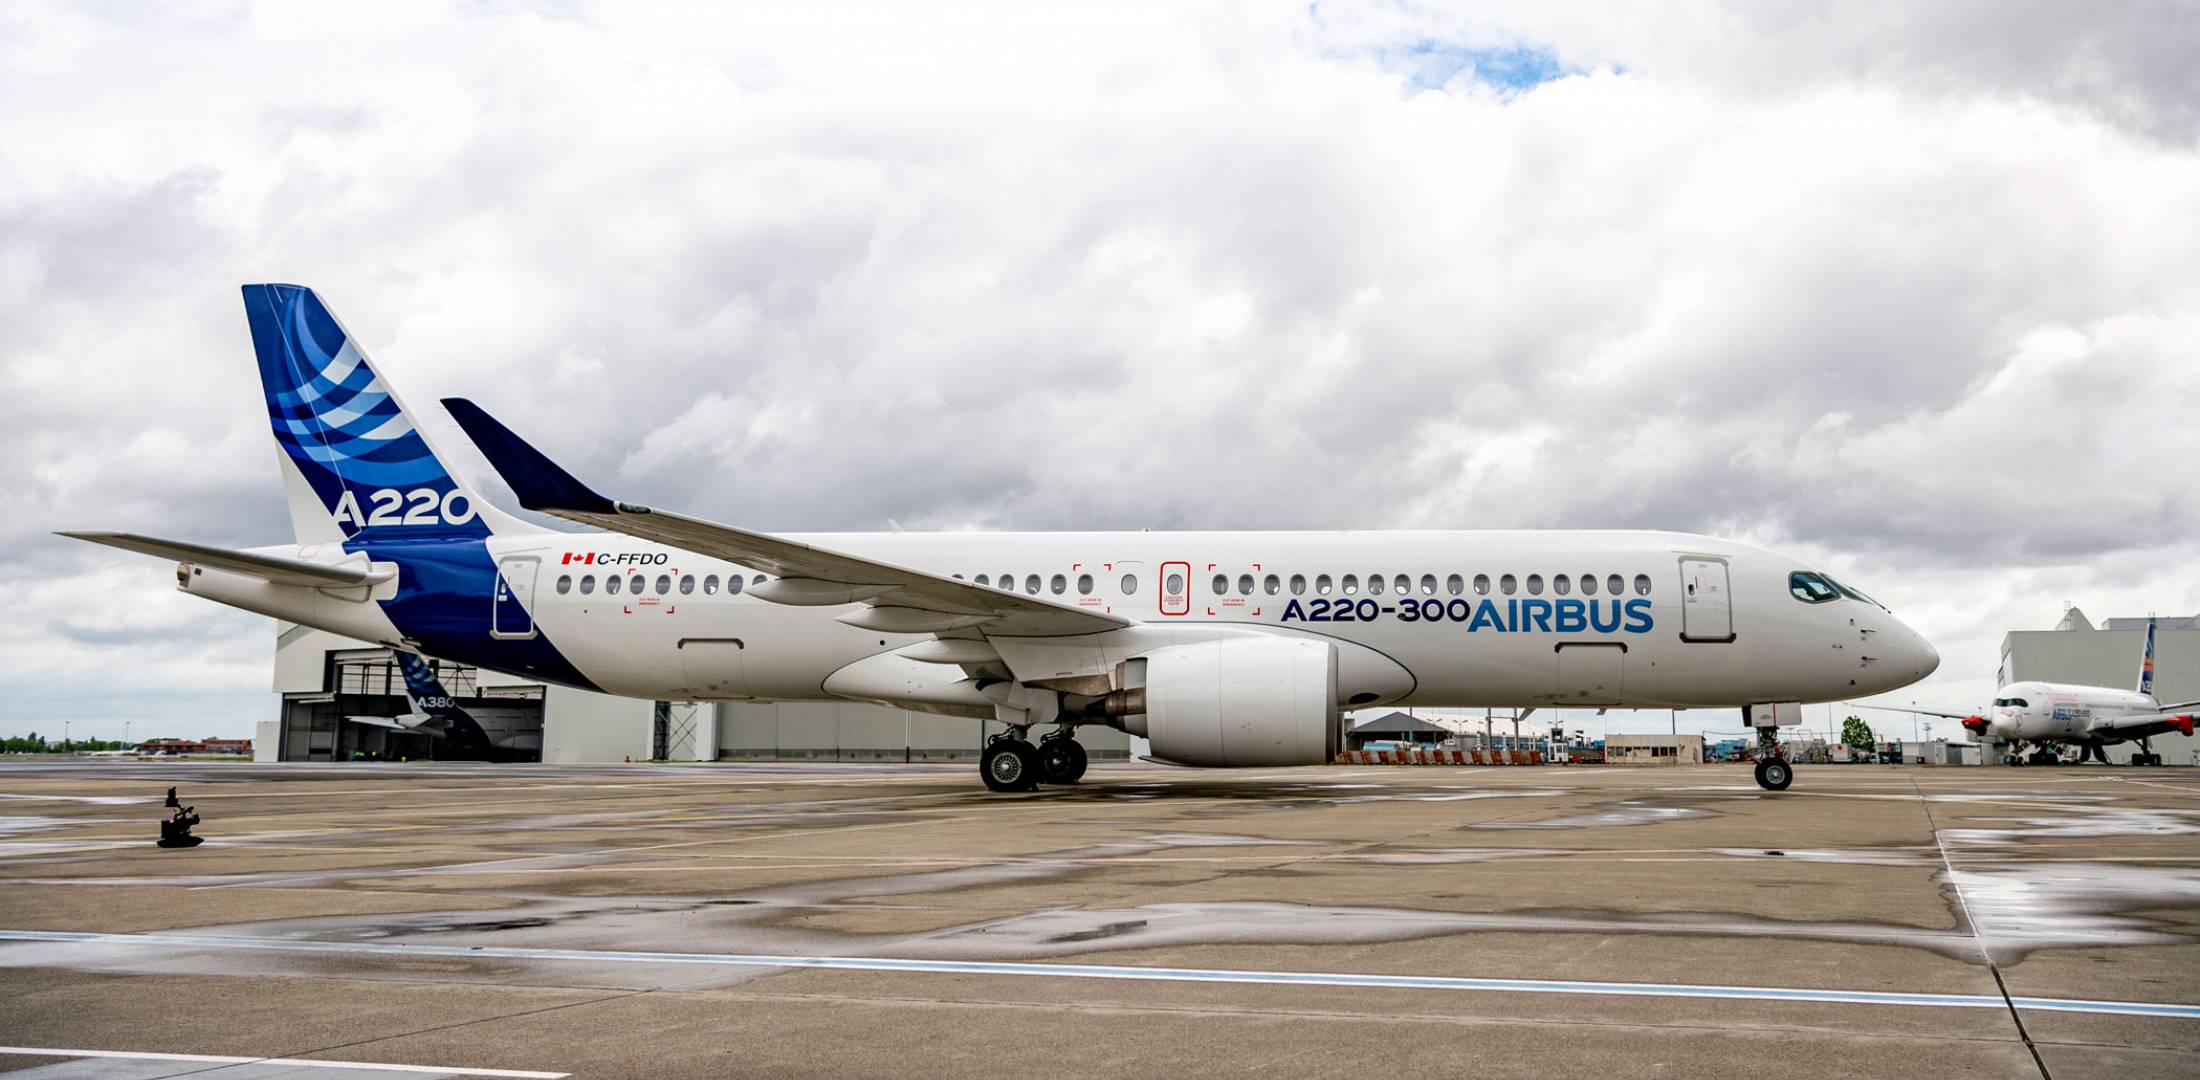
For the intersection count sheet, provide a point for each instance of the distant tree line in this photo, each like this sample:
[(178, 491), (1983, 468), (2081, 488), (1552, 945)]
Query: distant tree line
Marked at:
[(34, 743)]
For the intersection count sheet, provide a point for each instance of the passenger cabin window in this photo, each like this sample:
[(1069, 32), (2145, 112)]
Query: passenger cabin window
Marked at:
[(1810, 588), (1031, 584), (1245, 584), (710, 584), (1084, 584), (1130, 584), (1321, 584), (588, 584), (1271, 585), (1057, 584), (1613, 584), (1428, 584), (1402, 584), (1588, 584), (664, 584), (1535, 584), (984, 579), (1481, 584), (565, 584), (1374, 584), (1174, 583), (1561, 585), (687, 584), (1642, 585), (1222, 584), (1350, 585), (1455, 585), (733, 584), (1298, 584), (1008, 581), (611, 585), (1508, 584)]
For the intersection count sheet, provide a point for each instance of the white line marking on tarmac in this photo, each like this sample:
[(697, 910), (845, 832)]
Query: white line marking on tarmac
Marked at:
[(1148, 974), (311, 1063)]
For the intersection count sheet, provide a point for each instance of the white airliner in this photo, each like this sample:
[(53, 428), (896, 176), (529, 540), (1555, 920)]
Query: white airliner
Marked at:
[(2090, 717), (1220, 649)]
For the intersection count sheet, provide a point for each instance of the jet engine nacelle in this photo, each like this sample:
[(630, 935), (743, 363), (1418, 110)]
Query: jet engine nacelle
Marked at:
[(1237, 702)]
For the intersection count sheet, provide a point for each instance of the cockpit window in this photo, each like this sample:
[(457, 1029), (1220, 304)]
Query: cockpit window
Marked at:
[(1812, 588)]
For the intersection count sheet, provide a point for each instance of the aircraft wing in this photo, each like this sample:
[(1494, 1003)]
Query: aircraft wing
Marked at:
[(272, 568), (2135, 725), (410, 723), (1919, 712), (928, 602)]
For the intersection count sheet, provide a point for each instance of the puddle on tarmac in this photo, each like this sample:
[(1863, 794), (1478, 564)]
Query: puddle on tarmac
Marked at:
[(94, 800), (2105, 821), (1219, 840), (1626, 812), (2019, 907)]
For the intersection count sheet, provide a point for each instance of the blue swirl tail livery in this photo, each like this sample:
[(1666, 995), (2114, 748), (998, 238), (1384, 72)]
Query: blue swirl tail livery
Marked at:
[(355, 462)]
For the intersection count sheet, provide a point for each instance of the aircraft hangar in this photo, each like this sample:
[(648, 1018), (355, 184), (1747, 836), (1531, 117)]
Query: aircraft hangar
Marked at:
[(323, 679), (2076, 651)]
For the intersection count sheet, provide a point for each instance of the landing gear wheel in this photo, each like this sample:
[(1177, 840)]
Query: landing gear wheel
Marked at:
[(1774, 774), (1061, 760), (1010, 765)]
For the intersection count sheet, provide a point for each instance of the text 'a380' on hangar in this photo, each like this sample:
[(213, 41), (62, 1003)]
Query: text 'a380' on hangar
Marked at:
[(343, 700)]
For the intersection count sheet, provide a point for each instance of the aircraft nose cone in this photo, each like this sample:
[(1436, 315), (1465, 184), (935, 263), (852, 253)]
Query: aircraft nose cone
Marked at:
[(1924, 655)]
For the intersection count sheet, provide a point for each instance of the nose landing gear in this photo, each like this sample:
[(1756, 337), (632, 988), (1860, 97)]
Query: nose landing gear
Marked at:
[(1773, 771)]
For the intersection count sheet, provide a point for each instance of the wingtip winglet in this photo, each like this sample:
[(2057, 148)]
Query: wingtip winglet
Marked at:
[(540, 483)]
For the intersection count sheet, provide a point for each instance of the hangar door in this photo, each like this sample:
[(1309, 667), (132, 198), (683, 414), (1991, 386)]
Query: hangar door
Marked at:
[(1707, 609)]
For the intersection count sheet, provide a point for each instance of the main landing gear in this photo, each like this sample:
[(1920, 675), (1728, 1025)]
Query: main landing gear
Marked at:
[(1011, 763), (1773, 771), (2145, 756)]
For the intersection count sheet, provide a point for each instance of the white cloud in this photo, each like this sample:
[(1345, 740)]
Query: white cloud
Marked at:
[(1909, 292)]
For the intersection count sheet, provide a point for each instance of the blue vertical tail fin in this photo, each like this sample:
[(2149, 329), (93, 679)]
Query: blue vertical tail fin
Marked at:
[(2146, 662), (355, 464), (429, 699)]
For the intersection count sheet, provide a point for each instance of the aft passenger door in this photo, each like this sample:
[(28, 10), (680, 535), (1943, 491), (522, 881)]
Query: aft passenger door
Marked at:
[(1707, 609), (511, 610)]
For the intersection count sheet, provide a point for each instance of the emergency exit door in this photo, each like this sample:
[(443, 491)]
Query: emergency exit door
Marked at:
[(511, 611), (1707, 607)]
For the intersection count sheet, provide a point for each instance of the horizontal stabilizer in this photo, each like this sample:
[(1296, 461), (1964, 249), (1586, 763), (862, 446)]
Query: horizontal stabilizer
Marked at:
[(270, 568)]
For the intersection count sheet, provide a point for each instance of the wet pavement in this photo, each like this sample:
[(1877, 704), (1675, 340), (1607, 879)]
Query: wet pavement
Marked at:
[(823, 920)]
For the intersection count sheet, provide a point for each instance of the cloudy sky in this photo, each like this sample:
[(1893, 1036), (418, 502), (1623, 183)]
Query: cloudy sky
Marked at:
[(1909, 290)]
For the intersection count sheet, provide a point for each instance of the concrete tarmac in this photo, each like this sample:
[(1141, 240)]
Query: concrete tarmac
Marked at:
[(867, 920)]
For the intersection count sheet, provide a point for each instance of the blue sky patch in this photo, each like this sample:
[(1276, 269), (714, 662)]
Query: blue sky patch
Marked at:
[(1431, 65)]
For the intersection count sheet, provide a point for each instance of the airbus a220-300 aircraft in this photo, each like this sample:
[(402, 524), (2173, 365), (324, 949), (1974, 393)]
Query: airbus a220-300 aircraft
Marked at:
[(2047, 714), (1220, 649)]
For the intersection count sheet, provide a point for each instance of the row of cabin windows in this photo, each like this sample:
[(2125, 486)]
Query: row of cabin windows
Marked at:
[(1057, 584), (638, 584), (1272, 584), (1455, 585), (1349, 584)]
